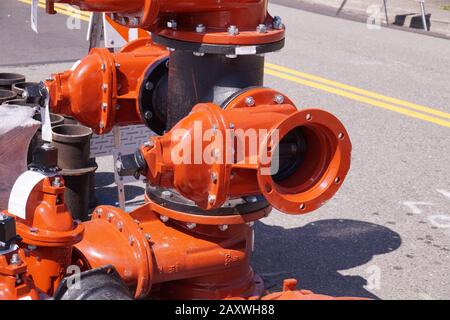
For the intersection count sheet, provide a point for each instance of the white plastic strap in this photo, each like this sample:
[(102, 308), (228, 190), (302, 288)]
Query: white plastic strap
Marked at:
[(46, 122), (34, 13)]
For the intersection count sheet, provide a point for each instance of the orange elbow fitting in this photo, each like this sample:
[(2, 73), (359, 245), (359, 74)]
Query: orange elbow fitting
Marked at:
[(104, 89), (296, 159), (151, 254)]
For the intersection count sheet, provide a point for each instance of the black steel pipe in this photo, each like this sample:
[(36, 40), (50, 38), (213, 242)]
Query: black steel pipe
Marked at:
[(6, 95), (208, 78), (73, 144), (8, 79)]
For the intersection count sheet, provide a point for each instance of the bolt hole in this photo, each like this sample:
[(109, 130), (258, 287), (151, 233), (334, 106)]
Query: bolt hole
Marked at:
[(341, 136), (309, 117), (268, 188), (302, 206), (337, 180)]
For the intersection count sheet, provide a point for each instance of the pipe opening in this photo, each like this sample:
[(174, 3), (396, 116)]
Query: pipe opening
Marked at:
[(305, 155)]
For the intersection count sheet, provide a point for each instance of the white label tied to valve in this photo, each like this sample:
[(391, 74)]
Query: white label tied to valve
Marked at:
[(34, 13), (21, 190), (46, 122)]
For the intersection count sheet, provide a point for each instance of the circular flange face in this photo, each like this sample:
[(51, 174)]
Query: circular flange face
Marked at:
[(153, 75), (224, 49), (328, 162)]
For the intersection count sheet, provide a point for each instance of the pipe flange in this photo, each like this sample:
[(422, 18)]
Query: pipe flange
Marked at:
[(255, 96), (136, 239), (233, 50)]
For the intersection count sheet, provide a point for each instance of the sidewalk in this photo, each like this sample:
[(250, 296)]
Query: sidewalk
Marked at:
[(405, 13)]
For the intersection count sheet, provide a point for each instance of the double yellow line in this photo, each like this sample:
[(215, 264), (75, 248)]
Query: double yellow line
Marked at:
[(360, 95), (375, 99), (64, 9)]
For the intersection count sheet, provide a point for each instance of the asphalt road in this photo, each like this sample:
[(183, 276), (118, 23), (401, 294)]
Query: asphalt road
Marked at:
[(386, 234)]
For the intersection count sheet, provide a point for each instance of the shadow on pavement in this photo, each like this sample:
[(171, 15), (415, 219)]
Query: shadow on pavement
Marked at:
[(315, 253), (103, 179), (108, 195)]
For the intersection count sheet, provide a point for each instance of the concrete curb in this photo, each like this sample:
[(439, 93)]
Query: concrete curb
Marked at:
[(407, 15)]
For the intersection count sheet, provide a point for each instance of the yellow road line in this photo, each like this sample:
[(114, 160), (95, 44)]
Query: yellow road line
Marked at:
[(320, 83), (359, 98), (72, 12), (359, 91), (66, 7)]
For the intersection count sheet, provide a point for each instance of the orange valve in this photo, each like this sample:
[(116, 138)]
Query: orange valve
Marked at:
[(296, 159), (104, 89)]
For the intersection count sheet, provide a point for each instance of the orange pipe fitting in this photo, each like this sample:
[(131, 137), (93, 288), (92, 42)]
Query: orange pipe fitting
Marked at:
[(15, 283), (102, 89), (203, 261), (48, 234), (202, 21), (296, 159)]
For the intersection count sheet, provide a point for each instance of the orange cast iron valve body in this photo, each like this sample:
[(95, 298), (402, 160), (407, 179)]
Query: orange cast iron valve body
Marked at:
[(173, 259), (202, 21), (48, 234), (296, 159), (103, 89), (15, 283)]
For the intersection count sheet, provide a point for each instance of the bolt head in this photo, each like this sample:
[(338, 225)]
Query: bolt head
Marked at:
[(15, 259), (250, 101), (277, 23), (166, 194), (57, 182), (262, 28), (164, 218), (279, 99), (149, 86), (148, 115), (200, 28), (172, 24), (135, 21), (211, 199), (233, 30), (34, 230), (198, 54), (149, 144), (191, 225), (223, 227), (148, 236)]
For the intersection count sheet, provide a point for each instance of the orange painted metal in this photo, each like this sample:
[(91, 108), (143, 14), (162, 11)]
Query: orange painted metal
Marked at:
[(15, 283), (203, 262), (160, 252), (48, 234), (216, 16), (210, 182), (102, 89)]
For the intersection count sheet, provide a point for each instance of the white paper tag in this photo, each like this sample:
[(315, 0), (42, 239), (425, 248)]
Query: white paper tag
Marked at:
[(34, 13), (46, 122), (21, 191), (245, 50)]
